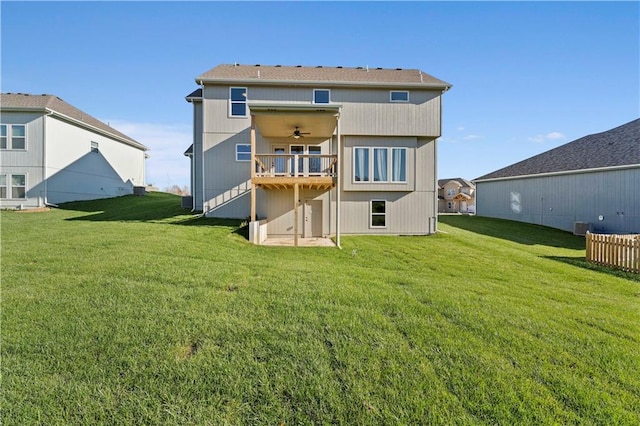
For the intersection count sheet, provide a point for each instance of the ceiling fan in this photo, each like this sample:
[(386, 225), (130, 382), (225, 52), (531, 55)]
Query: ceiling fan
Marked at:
[(298, 134)]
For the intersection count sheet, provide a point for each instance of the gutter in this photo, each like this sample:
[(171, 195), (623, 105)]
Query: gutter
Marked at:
[(564, 172)]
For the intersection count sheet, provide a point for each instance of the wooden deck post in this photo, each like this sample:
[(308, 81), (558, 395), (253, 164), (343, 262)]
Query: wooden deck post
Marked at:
[(253, 168), (295, 213)]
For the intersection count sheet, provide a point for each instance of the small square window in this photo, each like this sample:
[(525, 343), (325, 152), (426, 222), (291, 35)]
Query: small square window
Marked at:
[(399, 96), (321, 96), (94, 147), (243, 152)]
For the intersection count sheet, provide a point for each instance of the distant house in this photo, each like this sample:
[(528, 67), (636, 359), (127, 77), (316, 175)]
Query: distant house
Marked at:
[(51, 152), (590, 183), (308, 152), (456, 195)]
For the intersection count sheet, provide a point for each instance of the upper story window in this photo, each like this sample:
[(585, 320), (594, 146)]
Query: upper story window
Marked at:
[(451, 192), (380, 165), (95, 147), (238, 101), (399, 96), (243, 152), (13, 136), (321, 96)]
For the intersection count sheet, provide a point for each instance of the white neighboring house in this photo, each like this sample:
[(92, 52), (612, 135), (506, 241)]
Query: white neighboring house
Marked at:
[(51, 152)]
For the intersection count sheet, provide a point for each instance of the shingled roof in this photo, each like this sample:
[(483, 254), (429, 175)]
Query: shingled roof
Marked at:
[(304, 75), (52, 103), (462, 182), (614, 148)]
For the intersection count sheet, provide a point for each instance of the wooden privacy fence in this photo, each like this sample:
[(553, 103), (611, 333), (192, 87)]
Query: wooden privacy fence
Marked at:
[(616, 251)]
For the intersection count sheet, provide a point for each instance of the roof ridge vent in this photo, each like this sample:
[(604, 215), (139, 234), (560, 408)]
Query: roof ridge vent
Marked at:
[(278, 66), (298, 66), (339, 66)]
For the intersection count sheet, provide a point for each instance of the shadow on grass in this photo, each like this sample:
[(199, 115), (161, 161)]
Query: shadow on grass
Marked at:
[(153, 207), (519, 232), (581, 262)]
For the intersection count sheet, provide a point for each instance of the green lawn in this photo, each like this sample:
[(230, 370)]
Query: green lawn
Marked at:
[(129, 311)]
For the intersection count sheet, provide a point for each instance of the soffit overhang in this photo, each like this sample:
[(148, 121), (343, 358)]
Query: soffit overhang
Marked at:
[(280, 120)]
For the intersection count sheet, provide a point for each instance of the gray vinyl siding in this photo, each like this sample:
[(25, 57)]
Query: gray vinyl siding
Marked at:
[(559, 201), (410, 213), (364, 111), (278, 207), (196, 184), (27, 162)]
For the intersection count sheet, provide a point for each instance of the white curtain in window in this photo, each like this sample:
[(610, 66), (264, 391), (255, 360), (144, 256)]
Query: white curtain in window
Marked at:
[(380, 164), (362, 164), (399, 172)]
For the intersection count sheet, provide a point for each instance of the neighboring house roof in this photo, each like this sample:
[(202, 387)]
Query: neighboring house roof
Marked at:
[(329, 76), (196, 94), (459, 181), (53, 104), (614, 148)]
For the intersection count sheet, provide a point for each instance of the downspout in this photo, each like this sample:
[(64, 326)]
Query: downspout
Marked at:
[(339, 185)]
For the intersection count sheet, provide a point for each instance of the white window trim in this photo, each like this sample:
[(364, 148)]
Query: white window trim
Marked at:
[(6, 185), (371, 213), (10, 137), (10, 186), (245, 102), (399, 100), (371, 166), (243, 161), (320, 90), (96, 148)]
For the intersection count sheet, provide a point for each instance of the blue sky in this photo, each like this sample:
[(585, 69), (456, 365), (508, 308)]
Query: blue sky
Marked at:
[(527, 76)]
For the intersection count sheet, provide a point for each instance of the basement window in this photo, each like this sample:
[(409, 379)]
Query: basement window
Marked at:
[(18, 186), (3, 186), (378, 214)]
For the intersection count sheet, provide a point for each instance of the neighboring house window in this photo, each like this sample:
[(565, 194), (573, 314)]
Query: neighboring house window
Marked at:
[(399, 96), (321, 96), (361, 165), (384, 163), (238, 101), (3, 186), (378, 214), (94, 147), (3, 136), (451, 192), (18, 186), (13, 136), (243, 152)]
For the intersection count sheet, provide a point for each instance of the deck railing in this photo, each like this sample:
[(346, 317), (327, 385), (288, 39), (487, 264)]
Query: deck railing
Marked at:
[(616, 251), (295, 165)]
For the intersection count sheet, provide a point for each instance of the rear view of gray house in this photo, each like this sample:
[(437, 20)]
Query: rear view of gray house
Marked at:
[(591, 183), (51, 152), (313, 152)]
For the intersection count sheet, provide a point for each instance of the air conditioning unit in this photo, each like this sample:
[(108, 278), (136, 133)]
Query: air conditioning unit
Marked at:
[(580, 228), (187, 201)]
